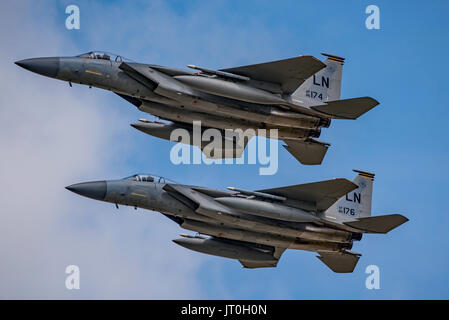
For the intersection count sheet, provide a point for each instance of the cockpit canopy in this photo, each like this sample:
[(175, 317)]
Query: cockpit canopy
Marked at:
[(101, 55), (148, 178)]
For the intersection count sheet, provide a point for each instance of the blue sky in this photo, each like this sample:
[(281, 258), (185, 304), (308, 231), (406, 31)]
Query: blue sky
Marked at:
[(403, 140)]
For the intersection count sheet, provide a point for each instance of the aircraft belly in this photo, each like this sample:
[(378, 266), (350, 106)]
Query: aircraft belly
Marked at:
[(273, 227), (254, 236), (307, 245), (220, 122), (237, 234), (180, 115), (266, 115)]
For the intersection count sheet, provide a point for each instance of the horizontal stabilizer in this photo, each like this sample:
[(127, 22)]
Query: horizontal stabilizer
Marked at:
[(307, 152), (379, 224), (347, 108), (339, 262), (323, 193)]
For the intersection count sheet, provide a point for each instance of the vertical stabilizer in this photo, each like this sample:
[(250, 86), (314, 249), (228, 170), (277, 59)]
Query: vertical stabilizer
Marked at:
[(324, 85), (356, 204)]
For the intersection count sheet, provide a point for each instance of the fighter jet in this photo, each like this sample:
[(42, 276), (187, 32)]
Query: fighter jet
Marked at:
[(297, 96), (256, 227)]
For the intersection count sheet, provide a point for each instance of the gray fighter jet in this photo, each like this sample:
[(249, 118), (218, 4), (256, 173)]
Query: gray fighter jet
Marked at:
[(296, 96), (256, 227)]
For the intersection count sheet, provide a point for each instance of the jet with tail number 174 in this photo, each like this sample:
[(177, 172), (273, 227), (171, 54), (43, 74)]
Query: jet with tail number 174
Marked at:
[(296, 96), (256, 227)]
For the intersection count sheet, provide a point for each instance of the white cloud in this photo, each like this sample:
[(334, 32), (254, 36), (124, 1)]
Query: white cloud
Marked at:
[(52, 136)]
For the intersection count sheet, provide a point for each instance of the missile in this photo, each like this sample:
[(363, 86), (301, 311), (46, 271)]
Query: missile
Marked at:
[(258, 194), (219, 73), (268, 209), (225, 248), (230, 89)]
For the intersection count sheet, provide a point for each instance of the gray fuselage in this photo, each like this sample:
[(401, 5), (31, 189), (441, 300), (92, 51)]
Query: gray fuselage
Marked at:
[(244, 225), (170, 99)]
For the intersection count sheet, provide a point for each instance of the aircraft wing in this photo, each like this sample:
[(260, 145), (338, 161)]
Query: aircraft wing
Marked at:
[(323, 193), (289, 73), (205, 204), (309, 152)]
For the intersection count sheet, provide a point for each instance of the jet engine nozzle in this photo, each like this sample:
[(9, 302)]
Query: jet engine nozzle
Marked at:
[(325, 122), (356, 236), (315, 133)]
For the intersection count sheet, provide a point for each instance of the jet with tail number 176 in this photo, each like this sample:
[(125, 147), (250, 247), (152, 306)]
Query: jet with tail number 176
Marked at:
[(256, 227), (297, 96)]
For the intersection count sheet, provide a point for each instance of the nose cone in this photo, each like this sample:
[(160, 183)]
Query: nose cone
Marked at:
[(48, 67), (94, 190)]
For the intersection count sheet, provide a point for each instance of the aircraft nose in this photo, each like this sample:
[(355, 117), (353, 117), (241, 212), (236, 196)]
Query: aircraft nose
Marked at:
[(45, 66), (94, 190)]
